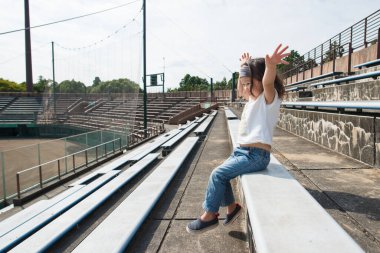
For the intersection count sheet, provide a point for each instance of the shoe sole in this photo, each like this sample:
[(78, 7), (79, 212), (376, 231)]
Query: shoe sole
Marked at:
[(202, 230), (234, 218)]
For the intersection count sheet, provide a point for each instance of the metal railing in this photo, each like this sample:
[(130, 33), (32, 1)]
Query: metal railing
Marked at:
[(58, 165), (139, 135), (360, 35)]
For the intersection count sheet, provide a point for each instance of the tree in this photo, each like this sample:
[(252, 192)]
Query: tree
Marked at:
[(294, 60), (334, 51), (222, 85), (193, 83), (122, 85), (10, 86), (72, 86), (96, 81), (42, 84)]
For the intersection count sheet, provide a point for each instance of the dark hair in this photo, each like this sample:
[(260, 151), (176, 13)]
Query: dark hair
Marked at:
[(257, 67)]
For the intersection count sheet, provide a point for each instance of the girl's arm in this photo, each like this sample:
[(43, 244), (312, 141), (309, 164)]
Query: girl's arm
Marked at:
[(239, 89), (270, 72)]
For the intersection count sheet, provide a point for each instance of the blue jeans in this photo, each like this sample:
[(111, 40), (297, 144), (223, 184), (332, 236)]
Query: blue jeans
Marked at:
[(242, 160)]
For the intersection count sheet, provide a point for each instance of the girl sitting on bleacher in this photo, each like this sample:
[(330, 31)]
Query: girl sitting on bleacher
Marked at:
[(263, 89)]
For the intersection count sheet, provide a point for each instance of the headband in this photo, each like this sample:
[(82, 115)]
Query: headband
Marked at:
[(245, 71)]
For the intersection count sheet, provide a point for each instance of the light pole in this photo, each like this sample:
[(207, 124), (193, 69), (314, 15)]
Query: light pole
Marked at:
[(144, 74), (28, 49)]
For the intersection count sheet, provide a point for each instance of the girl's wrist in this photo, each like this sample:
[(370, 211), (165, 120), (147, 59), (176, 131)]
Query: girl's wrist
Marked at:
[(270, 66)]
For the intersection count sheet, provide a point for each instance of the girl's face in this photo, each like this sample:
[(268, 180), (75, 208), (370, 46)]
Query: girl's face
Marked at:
[(246, 83)]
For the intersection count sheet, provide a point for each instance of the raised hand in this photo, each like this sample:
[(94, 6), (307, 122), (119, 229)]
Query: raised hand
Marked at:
[(245, 57), (277, 56)]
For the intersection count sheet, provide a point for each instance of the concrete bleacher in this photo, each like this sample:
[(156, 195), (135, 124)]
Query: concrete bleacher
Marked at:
[(80, 111), (5, 101), (339, 113), (24, 105), (62, 105), (342, 117), (119, 111), (274, 197), (21, 110)]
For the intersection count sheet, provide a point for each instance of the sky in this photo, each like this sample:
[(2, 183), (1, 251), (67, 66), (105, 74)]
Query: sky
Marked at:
[(197, 37)]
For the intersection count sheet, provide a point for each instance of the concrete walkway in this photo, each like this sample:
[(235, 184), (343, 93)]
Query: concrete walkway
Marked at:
[(348, 189)]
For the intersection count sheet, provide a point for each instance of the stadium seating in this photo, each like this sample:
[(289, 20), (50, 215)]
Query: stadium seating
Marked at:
[(122, 224), (331, 74), (368, 64), (49, 234)]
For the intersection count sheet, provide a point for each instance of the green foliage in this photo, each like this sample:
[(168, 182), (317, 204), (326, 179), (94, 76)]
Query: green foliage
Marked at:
[(42, 85), (96, 81), (9, 86), (334, 51), (222, 85), (122, 85), (294, 59), (72, 86), (169, 90), (193, 83)]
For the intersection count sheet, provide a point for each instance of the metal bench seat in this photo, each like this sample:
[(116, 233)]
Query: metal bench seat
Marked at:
[(168, 146), (202, 128), (373, 74), (52, 232), (19, 233), (315, 78), (368, 64), (296, 88), (134, 155), (359, 105), (229, 113), (28, 213), (201, 119), (117, 230)]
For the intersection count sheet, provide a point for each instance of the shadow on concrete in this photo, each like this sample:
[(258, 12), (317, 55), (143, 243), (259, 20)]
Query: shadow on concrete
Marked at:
[(238, 235), (349, 202)]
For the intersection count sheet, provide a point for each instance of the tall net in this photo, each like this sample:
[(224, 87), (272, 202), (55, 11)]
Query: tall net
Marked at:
[(95, 101)]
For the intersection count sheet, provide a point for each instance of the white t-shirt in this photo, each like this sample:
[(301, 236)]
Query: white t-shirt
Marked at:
[(258, 120)]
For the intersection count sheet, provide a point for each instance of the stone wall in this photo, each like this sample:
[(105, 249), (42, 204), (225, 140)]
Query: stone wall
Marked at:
[(351, 135)]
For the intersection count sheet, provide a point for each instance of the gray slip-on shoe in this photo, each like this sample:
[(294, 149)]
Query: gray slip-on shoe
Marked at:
[(230, 218), (198, 226)]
